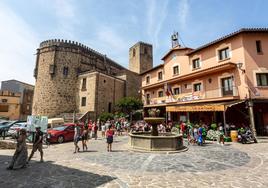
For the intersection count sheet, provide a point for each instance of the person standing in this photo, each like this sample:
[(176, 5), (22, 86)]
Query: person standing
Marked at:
[(89, 129), (38, 144), (95, 129), (103, 129), (109, 137), (19, 159), (76, 138)]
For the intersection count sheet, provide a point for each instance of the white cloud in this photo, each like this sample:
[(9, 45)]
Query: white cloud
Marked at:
[(156, 16), (17, 47), (65, 14), (183, 13), (108, 41)]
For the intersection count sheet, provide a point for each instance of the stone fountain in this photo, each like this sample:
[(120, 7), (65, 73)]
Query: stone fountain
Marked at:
[(154, 141)]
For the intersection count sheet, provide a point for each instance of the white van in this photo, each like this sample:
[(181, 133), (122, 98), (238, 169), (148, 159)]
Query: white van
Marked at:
[(54, 122)]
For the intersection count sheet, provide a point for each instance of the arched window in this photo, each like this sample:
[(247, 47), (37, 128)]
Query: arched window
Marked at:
[(134, 52)]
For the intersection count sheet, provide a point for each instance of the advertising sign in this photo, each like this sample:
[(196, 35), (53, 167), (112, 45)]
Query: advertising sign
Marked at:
[(37, 121)]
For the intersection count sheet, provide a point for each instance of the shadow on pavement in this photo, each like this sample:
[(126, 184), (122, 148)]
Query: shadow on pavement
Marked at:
[(48, 174)]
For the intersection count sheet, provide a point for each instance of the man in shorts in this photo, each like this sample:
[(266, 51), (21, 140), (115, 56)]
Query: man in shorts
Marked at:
[(38, 144)]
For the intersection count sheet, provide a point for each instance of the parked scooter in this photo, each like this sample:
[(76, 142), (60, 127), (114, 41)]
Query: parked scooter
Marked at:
[(245, 136)]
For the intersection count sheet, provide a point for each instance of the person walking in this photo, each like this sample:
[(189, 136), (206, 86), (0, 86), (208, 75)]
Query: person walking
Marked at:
[(84, 137), (200, 136), (38, 144), (221, 134), (77, 132), (109, 137), (19, 159)]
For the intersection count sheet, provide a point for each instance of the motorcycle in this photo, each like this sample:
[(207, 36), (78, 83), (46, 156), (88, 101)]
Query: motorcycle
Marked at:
[(245, 137)]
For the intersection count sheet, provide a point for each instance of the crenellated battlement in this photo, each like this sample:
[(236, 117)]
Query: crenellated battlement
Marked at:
[(76, 45), (67, 43)]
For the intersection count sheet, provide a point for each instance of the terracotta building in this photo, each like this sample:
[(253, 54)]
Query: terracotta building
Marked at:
[(71, 77), (217, 82), (17, 97)]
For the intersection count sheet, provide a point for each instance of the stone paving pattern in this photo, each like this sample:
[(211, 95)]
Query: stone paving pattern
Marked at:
[(213, 165)]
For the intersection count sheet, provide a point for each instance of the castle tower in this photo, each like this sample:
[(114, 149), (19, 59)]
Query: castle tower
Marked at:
[(140, 57), (56, 77)]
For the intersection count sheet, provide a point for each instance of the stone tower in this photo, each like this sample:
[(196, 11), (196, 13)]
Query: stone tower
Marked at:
[(73, 77), (56, 68), (141, 57)]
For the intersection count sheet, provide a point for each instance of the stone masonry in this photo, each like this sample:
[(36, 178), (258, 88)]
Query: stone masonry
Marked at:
[(59, 72)]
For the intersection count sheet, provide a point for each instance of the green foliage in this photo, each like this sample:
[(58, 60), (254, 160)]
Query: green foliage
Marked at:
[(105, 116), (213, 126), (129, 104)]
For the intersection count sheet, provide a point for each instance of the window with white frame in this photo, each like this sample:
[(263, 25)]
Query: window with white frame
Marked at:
[(160, 75), (176, 70), (262, 79), (224, 53), (176, 91), (196, 63), (197, 87), (160, 93), (147, 79)]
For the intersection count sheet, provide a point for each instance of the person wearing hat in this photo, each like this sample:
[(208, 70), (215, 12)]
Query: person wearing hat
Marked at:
[(38, 144)]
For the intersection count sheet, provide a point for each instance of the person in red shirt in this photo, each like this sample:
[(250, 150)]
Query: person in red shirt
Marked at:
[(89, 129), (95, 129), (109, 136)]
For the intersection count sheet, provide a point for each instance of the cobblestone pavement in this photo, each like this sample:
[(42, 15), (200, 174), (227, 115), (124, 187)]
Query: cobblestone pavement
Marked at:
[(213, 165)]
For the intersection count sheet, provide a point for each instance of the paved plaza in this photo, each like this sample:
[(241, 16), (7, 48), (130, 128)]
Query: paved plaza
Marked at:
[(213, 165)]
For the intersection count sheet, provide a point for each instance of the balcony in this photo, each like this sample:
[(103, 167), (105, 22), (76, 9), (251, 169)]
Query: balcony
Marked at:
[(222, 93)]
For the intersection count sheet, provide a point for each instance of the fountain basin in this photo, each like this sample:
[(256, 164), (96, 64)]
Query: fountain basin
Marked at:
[(162, 142)]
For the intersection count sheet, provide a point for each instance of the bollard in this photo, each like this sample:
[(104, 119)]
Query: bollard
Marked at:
[(4, 134)]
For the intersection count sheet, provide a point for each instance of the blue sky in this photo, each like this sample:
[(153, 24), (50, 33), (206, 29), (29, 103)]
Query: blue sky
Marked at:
[(112, 26)]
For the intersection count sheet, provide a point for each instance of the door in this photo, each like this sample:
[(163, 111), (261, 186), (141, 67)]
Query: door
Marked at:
[(69, 133), (227, 86)]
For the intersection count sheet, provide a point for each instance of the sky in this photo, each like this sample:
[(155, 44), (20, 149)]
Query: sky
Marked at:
[(113, 26)]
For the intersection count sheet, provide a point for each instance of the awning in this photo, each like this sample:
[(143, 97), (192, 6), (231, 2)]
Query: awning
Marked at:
[(208, 107)]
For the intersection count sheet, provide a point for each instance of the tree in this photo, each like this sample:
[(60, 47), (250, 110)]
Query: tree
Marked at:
[(129, 105), (105, 116)]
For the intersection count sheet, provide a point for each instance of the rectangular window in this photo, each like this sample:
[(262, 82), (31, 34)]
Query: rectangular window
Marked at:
[(84, 84), (147, 79), (197, 87), (148, 99), (227, 86), (4, 100), (52, 69), (160, 94), (262, 79), (224, 54), (176, 70), (160, 75), (3, 108), (65, 71), (83, 101), (176, 91), (196, 63), (258, 46)]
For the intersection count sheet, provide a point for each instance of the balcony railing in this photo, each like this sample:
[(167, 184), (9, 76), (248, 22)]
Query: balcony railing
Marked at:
[(199, 95)]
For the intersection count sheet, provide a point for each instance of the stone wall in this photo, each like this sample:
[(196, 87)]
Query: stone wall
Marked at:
[(56, 93)]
